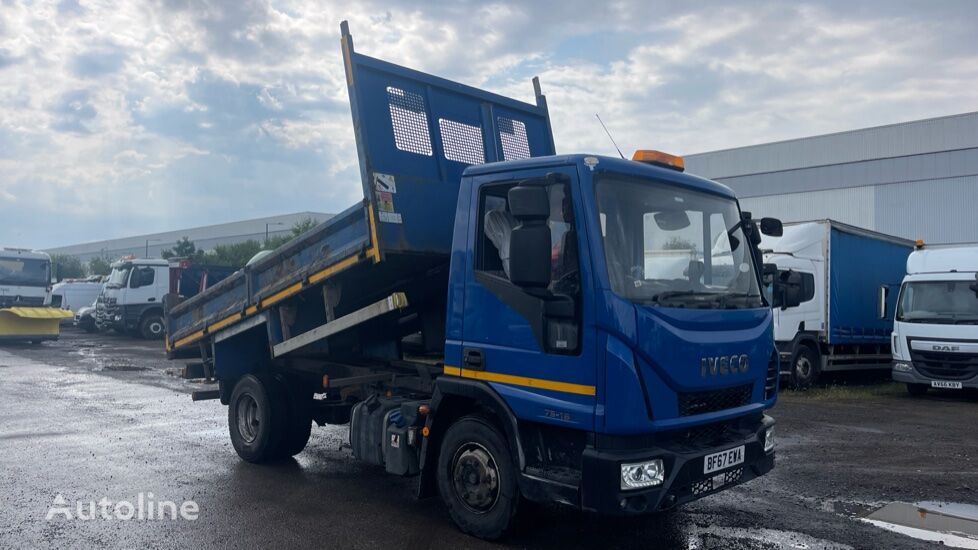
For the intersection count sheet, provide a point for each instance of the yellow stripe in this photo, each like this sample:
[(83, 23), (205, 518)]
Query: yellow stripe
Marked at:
[(539, 383), (189, 338), (282, 294), (374, 250), (224, 322), (340, 265), (251, 309)]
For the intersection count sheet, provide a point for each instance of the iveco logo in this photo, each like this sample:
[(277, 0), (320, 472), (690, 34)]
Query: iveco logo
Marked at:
[(714, 366), (939, 347)]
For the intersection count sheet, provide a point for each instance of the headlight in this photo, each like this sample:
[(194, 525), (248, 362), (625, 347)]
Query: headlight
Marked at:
[(642, 474), (118, 317), (769, 440), (902, 366)]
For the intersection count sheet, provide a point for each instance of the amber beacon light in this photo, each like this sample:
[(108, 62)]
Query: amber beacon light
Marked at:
[(659, 158)]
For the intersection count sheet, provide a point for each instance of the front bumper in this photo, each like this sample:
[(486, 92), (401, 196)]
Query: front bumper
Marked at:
[(684, 481), (914, 376)]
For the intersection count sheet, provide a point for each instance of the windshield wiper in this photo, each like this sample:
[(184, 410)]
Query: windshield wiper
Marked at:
[(670, 294)]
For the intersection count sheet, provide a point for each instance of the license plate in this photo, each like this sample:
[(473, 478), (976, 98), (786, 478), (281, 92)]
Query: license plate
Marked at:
[(724, 459), (945, 384)]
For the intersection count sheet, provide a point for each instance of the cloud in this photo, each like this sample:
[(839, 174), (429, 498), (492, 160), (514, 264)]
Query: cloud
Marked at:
[(208, 111)]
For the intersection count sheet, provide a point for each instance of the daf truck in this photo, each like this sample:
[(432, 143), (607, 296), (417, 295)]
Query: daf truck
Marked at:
[(491, 318), (935, 328), (838, 269)]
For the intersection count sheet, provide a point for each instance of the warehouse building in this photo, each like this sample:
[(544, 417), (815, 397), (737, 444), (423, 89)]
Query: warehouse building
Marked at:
[(915, 179), (205, 237)]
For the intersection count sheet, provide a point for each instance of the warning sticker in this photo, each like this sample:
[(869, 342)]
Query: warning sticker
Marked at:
[(390, 217), (385, 201), (384, 182)]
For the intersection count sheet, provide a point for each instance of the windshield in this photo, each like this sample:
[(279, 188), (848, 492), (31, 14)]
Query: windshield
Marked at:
[(946, 302), (25, 272), (119, 276), (674, 247)]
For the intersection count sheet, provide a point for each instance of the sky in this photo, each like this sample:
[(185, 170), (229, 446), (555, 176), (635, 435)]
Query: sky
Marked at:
[(123, 118)]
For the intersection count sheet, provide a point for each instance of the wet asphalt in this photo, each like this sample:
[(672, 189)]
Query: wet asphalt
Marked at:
[(101, 416)]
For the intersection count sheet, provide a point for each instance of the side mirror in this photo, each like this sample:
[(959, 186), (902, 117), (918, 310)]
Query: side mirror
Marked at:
[(772, 227), (786, 289), (529, 245), (881, 304)]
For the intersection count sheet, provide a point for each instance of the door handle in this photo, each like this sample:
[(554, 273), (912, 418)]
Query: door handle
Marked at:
[(152, 299), (473, 359)]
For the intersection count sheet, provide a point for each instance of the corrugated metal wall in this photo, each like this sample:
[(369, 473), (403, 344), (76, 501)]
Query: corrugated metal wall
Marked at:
[(914, 180), (908, 138)]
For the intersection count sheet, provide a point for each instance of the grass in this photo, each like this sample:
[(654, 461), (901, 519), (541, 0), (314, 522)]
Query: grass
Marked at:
[(842, 392)]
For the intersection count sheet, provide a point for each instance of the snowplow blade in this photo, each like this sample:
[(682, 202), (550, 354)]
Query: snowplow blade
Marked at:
[(31, 323)]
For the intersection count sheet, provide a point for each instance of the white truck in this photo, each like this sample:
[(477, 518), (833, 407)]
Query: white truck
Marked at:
[(837, 270), (935, 329), (75, 294), (25, 297), (132, 301)]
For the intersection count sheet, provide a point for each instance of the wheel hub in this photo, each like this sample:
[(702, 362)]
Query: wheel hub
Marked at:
[(249, 418), (475, 477), (803, 367)]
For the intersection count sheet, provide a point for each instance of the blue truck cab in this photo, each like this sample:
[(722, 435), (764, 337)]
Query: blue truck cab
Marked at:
[(504, 323)]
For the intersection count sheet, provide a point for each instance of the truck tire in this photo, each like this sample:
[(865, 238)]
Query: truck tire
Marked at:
[(151, 326), (298, 427), (256, 419), (917, 390), (805, 368), (477, 478)]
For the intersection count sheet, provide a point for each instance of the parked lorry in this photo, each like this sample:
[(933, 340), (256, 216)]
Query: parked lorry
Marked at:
[(484, 319), (837, 270), (935, 328), (132, 301), (25, 297)]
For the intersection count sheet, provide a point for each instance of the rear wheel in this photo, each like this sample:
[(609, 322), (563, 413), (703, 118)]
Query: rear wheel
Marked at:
[(917, 389), (151, 327), (477, 479), (256, 418), (805, 368)]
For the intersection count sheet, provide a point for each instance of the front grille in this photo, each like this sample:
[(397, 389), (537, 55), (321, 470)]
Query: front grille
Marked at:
[(708, 435), (717, 481), (773, 373), (945, 366), (700, 402)]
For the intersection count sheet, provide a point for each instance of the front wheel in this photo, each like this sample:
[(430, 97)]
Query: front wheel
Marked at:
[(477, 479), (917, 389), (805, 368), (151, 327)]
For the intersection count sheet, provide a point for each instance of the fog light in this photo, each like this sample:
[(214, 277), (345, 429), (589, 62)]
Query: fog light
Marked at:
[(118, 318), (642, 474), (902, 366), (769, 440)]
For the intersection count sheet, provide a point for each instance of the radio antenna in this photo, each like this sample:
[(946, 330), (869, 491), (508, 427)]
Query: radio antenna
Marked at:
[(609, 135)]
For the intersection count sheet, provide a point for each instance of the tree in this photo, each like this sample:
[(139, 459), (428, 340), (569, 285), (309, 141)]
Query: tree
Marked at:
[(99, 266), (679, 243), (65, 266), (298, 228), (184, 248), (232, 255)]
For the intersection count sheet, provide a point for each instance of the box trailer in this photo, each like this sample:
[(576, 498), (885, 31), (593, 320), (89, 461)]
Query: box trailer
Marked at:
[(840, 269)]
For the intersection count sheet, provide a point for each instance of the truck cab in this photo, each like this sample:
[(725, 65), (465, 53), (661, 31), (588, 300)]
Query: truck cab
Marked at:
[(25, 297), (132, 300), (564, 308), (935, 328)]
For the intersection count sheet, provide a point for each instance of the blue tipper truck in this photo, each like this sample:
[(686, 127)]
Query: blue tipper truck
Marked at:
[(494, 318)]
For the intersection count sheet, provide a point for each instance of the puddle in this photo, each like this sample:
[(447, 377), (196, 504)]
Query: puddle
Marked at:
[(715, 537), (951, 524), (100, 362)]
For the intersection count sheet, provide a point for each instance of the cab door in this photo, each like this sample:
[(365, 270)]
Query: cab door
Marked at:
[(534, 346)]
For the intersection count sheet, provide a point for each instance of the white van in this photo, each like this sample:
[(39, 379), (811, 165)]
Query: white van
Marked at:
[(935, 330)]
